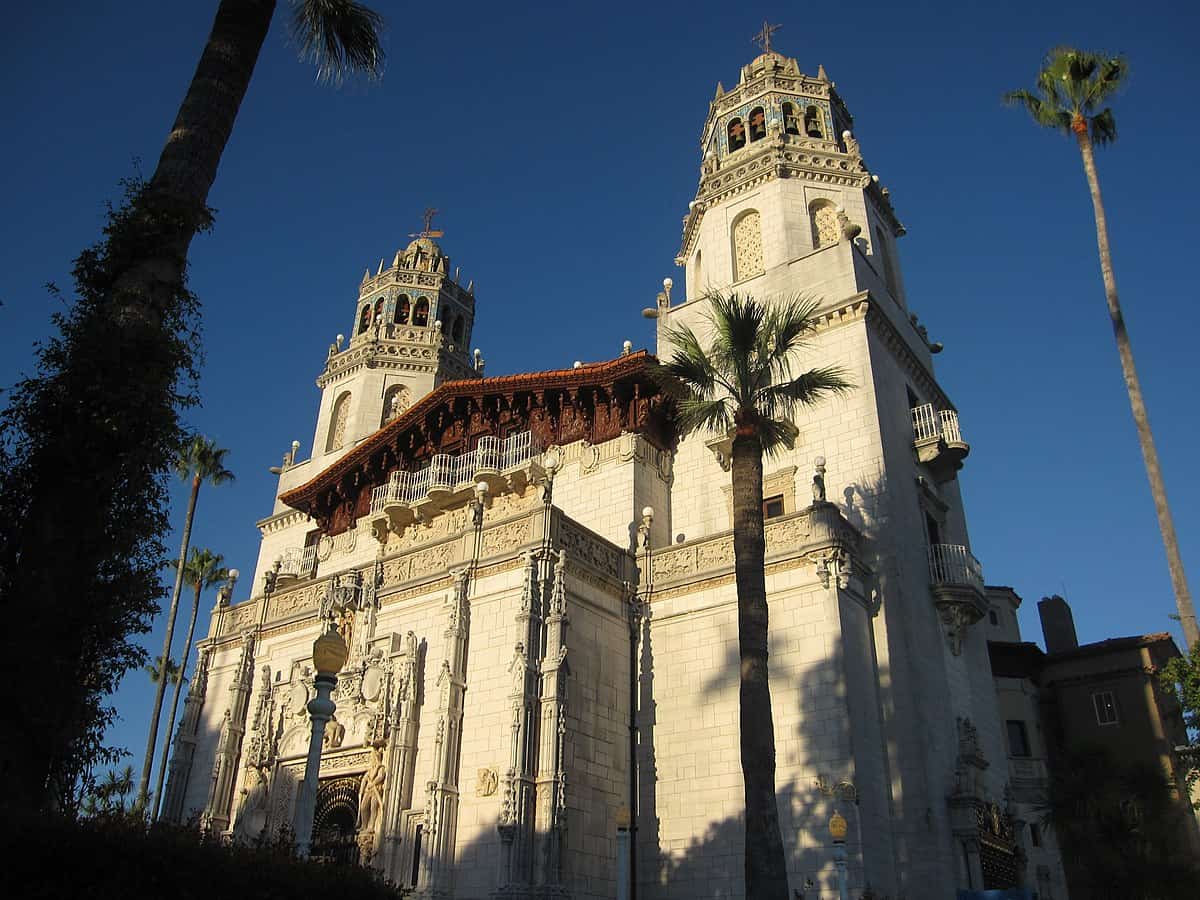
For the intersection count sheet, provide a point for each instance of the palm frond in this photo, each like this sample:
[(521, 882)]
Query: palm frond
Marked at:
[(808, 389), (696, 414), (1103, 127), (340, 37), (201, 457), (1041, 111), (688, 362), (774, 435)]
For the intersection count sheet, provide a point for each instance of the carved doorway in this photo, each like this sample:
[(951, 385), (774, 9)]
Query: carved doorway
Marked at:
[(335, 822)]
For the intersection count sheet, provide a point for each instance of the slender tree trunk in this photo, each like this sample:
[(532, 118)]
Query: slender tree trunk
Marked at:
[(1183, 598), (160, 689), (183, 661), (766, 868), (188, 164)]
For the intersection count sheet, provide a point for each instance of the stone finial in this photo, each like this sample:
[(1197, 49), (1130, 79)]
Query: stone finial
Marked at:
[(821, 74), (849, 229), (366, 275), (627, 348), (720, 89), (380, 270), (818, 485)]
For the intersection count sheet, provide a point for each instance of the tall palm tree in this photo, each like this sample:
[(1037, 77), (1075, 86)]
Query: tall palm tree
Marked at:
[(1072, 90), (204, 570), (743, 383), (201, 460)]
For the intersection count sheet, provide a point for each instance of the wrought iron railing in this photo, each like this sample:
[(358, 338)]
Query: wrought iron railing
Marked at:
[(953, 564)]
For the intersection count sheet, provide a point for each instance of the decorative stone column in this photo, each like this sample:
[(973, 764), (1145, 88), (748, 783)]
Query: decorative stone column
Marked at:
[(229, 745), (837, 831), (329, 655)]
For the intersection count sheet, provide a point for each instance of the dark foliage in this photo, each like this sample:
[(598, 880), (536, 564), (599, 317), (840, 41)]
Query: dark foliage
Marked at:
[(85, 448), (117, 856)]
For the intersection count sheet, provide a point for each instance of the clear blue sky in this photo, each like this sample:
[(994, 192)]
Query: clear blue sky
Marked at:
[(560, 142)]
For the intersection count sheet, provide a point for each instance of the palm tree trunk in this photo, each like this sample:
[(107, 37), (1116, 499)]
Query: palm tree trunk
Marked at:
[(188, 164), (183, 660), (1183, 598), (161, 687), (766, 868)]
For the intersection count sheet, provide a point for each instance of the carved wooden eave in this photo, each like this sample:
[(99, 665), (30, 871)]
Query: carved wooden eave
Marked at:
[(595, 402)]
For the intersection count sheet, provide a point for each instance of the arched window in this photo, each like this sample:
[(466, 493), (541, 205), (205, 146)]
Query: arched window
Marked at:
[(791, 122), (813, 125), (337, 423), (885, 258), (420, 314), (747, 245), (364, 319), (698, 274), (823, 216), (737, 134), (400, 314), (397, 399), (379, 309), (458, 330), (758, 124)]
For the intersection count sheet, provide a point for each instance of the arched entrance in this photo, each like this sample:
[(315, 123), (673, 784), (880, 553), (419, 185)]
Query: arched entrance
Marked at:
[(335, 823)]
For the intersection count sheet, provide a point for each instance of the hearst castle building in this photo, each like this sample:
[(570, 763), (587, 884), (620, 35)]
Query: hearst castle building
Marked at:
[(538, 660)]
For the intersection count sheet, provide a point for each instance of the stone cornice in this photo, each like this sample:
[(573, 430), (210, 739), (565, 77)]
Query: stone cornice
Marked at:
[(280, 521), (781, 156)]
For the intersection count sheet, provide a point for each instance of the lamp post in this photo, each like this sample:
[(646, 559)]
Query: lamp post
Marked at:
[(837, 831), (329, 655)]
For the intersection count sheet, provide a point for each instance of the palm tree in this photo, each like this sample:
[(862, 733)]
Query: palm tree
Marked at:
[(1072, 88), (157, 670), (204, 570), (743, 384), (201, 460)]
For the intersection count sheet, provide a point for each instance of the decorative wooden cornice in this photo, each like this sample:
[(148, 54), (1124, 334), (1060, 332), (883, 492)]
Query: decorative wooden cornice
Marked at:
[(595, 402)]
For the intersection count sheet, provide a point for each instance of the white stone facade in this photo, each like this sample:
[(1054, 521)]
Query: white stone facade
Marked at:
[(499, 663)]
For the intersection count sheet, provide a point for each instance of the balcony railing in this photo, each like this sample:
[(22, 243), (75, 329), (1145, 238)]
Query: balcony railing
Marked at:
[(930, 423), (953, 564), (299, 562), (447, 472)]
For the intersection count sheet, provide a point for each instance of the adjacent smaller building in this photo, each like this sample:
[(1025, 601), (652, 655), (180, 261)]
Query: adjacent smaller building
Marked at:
[(1105, 694)]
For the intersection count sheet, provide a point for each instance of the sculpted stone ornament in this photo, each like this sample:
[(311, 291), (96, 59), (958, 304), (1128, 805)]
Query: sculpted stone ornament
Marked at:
[(818, 484), (486, 782), (335, 733)]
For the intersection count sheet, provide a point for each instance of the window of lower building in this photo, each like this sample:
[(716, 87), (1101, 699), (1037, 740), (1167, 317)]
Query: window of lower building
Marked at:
[(773, 507), (1106, 707), (1035, 835), (992, 617), (1018, 738)]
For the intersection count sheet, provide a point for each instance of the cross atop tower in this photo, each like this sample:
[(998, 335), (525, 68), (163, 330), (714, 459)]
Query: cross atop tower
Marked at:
[(427, 231), (763, 38)]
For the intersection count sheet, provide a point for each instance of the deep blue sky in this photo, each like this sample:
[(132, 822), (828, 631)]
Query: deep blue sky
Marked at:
[(560, 142)]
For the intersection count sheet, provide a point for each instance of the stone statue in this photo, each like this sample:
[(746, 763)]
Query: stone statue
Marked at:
[(370, 794), (335, 733), (517, 668), (818, 483), (252, 817), (851, 143)]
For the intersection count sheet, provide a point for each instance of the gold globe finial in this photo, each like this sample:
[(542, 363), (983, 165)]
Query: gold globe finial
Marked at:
[(837, 826), (330, 653)]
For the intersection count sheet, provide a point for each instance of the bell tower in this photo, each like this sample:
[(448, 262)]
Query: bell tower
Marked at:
[(411, 332), (783, 178)]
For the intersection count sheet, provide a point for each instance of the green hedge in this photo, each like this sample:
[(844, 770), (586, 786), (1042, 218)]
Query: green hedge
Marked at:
[(114, 858)]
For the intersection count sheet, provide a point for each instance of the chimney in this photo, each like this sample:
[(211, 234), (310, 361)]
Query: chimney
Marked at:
[(1058, 625)]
